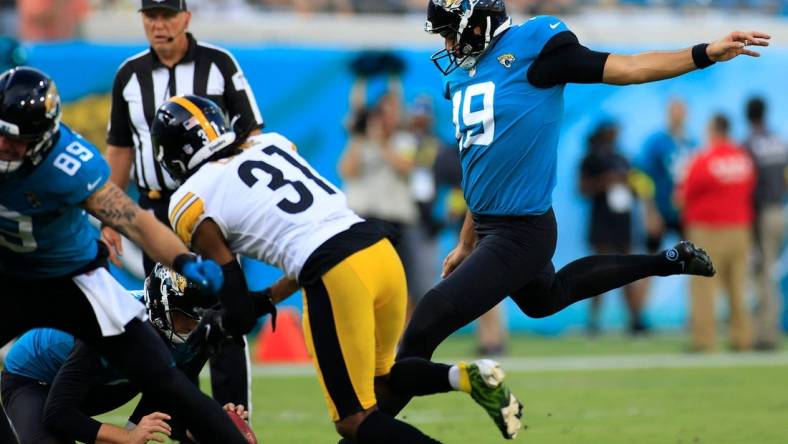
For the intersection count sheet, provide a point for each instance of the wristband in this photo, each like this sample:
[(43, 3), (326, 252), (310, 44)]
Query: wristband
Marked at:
[(181, 260), (700, 57)]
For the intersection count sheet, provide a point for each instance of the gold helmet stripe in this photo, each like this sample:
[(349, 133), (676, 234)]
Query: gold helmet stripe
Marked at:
[(197, 113)]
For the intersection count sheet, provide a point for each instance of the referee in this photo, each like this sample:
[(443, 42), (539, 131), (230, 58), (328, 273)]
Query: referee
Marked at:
[(175, 64)]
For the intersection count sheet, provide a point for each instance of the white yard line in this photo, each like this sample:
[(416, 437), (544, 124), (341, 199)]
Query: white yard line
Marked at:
[(590, 362)]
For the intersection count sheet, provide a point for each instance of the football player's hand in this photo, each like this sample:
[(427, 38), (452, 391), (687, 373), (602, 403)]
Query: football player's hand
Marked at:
[(150, 428), (114, 244), (206, 274), (238, 409), (735, 44), (455, 258), (209, 333), (264, 304)]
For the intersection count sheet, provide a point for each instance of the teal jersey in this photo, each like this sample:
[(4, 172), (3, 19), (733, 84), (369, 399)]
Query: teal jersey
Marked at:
[(44, 230), (506, 127), (39, 354)]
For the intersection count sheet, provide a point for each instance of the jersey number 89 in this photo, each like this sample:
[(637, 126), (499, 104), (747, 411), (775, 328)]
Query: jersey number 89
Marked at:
[(70, 161), (19, 238)]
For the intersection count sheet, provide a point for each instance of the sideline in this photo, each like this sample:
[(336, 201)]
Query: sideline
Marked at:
[(584, 363)]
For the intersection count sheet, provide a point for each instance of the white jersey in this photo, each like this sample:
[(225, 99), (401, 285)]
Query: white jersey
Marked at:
[(268, 202)]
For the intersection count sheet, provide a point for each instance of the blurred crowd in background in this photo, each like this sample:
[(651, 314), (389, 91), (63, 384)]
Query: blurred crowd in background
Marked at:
[(61, 19), (726, 194), (394, 151)]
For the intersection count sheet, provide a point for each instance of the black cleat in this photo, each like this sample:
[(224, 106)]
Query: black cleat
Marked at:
[(693, 260)]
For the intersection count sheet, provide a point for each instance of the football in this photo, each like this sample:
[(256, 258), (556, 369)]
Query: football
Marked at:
[(243, 426)]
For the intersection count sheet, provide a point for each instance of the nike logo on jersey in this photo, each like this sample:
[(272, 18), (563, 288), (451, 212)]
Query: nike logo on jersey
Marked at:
[(554, 25), (93, 185)]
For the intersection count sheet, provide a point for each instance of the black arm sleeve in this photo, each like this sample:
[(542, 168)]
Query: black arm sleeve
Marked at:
[(564, 60), (238, 310), (62, 411), (119, 130)]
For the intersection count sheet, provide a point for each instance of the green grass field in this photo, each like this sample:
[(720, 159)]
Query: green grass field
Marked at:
[(635, 391)]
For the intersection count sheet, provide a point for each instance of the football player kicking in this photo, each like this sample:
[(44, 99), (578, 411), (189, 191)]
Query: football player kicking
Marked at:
[(259, 198), (506, 84), (52, 264), (52, 384)]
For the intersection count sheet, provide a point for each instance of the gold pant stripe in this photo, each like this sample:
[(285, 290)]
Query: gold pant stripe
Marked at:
[(364, 310)]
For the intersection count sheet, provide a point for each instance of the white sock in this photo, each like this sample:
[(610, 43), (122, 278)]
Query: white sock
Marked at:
[(454, 377)]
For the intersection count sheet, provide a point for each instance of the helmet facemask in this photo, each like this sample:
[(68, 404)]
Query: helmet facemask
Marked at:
[(165, 295), (460, 19)]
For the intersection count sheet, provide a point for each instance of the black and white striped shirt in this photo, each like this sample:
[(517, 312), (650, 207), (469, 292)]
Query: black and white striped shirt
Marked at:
[(142, 84)]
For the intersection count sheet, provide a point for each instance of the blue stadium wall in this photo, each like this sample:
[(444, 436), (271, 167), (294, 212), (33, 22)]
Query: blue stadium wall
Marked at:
[(303, 93)]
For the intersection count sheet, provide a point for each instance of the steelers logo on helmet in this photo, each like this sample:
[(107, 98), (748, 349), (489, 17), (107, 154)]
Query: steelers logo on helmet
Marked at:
[(187, 132), (469, 26)]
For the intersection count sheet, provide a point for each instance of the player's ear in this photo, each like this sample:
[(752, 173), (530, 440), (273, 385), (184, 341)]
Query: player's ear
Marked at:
[(188, 18)]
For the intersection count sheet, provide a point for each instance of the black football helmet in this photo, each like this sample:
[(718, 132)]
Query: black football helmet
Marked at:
[(459, 18), (166, 292), (29, 112), (188, 131)]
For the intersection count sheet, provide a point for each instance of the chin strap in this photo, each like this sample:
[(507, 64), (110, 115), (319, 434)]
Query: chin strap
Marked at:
[(488, 33), (36, 154), (503, 27)]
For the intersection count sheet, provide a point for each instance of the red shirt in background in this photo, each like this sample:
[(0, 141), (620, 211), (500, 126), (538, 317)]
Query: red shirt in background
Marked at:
[(718, 188)]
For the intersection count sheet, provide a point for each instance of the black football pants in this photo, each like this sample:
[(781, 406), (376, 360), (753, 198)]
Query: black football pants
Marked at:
[(138, 352), (514, 257)]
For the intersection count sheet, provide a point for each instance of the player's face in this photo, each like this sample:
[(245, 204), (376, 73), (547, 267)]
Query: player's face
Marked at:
[(11, 149), (449, 41), (164, 28), (182, 324)]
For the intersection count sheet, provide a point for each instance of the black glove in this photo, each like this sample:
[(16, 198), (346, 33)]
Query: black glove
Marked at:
[(209, 335), (263, 305)]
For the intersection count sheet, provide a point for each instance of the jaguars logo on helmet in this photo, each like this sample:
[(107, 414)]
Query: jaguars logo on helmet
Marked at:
[(188, 131), (52, 102), (472, 24), (167, 292), (29, 112)]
